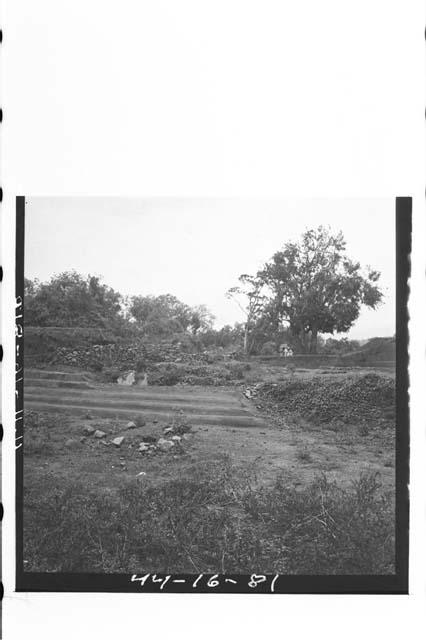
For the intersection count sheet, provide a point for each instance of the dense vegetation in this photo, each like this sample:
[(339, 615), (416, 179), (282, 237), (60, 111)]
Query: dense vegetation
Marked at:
[(307, 289), (217, 520)]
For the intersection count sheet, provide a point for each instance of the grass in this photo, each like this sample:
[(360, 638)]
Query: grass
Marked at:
[(304, 456), (39, 429), (364, 430), (215, 520)]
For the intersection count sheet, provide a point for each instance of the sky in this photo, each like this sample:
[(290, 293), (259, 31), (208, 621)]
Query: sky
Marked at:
[(196, 248)]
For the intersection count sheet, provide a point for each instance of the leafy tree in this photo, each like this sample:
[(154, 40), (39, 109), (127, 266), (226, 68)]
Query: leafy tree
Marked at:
[(202, 319), (334, 346), (226, 336), (250, 299), (314, 287), (71, 300), (160, 315)]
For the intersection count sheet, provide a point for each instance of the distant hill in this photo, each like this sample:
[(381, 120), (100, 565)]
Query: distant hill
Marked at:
[(375, 350)]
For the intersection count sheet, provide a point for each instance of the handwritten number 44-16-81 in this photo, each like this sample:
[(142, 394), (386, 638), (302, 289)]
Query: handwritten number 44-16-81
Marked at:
[(210, 582)]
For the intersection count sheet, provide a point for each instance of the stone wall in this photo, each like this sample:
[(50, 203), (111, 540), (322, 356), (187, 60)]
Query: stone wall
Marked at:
[(135, 355)]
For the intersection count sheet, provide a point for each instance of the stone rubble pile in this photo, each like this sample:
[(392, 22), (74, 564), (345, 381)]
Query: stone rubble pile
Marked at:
[(356, 399), (127, 355), (172, 438)]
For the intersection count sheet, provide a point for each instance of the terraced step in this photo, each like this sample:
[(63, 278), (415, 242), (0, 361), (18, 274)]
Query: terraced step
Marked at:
[(69, 392), (135, 404), (172, 394), (46, 374), (58, 384), (242, 420)]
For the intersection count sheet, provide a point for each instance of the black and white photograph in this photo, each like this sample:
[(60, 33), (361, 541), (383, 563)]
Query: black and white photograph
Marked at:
[(210, 391), (213, 310)]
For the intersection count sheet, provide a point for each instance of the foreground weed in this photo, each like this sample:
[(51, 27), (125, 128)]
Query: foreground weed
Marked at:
[(215, 520)]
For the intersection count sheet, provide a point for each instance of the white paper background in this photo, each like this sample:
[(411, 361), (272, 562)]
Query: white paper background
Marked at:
[(215, 98)]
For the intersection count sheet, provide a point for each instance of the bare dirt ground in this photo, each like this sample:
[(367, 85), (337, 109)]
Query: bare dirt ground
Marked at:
[(250, 434)]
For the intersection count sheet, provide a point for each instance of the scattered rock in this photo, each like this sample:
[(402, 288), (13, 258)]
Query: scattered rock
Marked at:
[(155, 422), (82, 439), (127, 379), (71, 443), (139, 421), (176, 438), (143, 447), (168, 430), (150, 439), (188, 436), (130, 425), (141, 473), (118, 441), (142, 380), (99, 434), (89, 416), (165, 445), (89, 431)]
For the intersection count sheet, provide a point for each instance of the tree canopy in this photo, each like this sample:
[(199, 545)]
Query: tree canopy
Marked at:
[(308, 289), (71, 300), (201, 319), (312, 287), (160, 315)]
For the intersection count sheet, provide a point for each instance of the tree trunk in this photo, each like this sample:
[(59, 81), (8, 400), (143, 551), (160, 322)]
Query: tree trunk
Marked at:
[(246, 339), (314, 340)]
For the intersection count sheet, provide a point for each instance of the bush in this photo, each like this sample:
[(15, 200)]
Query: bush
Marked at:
[(140, 365), (214, 521), (268, 349), (236, 369), (165, 374), (110, 374)]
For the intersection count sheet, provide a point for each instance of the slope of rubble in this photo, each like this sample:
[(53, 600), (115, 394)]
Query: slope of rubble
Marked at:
[(354, 399)]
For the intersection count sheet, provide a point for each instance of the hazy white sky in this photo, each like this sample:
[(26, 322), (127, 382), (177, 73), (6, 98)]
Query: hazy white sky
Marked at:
[(197, 248)]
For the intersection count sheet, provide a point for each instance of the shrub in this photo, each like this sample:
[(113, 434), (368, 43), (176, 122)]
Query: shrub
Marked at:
[(141, 366), (110, 374), (268, 349), (236, 369)]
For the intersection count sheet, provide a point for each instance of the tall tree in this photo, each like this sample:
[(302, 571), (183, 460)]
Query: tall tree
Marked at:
[(251, 300), (314, 287)]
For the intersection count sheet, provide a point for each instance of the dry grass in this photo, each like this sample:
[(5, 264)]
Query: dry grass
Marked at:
[(216, 520)]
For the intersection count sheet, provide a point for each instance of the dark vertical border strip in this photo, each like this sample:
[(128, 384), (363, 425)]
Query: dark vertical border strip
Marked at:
[(403, 269), (19, 381)]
